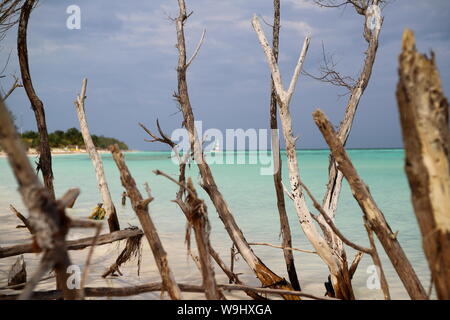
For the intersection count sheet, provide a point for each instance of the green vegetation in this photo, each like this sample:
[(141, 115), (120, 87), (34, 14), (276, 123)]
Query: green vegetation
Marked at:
[(70, 139)]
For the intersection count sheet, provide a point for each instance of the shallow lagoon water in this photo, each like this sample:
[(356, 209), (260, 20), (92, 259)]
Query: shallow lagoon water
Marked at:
[(251, 198)]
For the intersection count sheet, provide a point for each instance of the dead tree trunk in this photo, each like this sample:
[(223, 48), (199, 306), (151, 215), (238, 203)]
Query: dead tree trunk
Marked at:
[(424, 117), (46, 216), (140, 206), (108, 204), (338, 268), (45, 157), (333, 191), (277, 180), (197, 216), (373, 215), (267, 277)]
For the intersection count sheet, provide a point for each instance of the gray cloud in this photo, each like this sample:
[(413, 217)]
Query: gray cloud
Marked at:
[(127, 50)]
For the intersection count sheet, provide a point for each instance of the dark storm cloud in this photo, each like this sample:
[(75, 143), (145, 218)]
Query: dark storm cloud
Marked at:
[(127, 51)]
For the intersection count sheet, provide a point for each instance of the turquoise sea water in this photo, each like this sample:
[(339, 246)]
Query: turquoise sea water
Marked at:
[(251, 198)]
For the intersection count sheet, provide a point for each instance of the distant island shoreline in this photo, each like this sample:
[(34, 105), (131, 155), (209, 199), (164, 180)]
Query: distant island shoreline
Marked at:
[(62, 151)]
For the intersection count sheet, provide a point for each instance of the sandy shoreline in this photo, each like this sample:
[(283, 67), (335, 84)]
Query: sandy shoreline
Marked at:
[(56, 152)]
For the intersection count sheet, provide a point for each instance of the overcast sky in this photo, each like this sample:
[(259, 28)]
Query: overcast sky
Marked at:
[(127, 51)]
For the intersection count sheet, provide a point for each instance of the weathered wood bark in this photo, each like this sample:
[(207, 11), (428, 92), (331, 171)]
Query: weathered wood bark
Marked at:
[(267, 277), (108, 204), (424, 117), (340, 277), (45, 157), (277, 179), (46, 216), (140, 206), (78, 244), (373, 215)]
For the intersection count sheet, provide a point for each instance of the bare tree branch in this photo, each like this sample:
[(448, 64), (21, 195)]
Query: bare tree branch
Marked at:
[(97, 162), (374, 217), (140, 206), (45, 157)]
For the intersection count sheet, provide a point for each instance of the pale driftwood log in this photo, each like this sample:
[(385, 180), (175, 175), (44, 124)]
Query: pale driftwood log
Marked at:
[(337, 266), (152, 287), (46, 216), (267, 277), (72, 244), (277, 178), (97, 162), (45, 157), (424, 117), (140, 206), (373, 215)]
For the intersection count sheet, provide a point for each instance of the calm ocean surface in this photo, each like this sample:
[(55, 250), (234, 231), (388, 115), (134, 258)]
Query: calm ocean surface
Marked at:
[(251, 198)]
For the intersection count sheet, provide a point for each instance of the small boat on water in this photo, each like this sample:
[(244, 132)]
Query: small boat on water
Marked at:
[(215, 148)]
